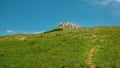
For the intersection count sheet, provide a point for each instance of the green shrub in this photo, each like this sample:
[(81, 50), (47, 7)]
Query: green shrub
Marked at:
[(56, 29), (32, 42)]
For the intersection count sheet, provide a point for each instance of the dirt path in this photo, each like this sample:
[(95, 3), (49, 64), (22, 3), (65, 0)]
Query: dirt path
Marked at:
[(90, 58)]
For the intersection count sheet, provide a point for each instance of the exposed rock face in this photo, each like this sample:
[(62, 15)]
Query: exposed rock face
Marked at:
[(68, 25)]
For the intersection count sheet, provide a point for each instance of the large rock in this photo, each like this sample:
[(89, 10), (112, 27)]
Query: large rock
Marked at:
[(68, 25)]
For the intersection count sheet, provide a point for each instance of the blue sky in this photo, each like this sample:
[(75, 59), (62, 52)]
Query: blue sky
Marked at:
[(34, 16)]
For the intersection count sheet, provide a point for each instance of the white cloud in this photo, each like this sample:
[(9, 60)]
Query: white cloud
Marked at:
[(23, 32), (9, 31), (103, 2), (118, 0), (114, 5)]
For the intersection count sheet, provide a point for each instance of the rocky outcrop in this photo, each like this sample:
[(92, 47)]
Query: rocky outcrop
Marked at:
[(68, 25)]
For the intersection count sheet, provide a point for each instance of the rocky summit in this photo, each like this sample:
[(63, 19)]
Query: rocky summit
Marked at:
[(68, 25)]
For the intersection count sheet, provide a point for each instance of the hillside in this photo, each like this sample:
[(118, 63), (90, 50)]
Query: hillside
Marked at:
[(96, 47)]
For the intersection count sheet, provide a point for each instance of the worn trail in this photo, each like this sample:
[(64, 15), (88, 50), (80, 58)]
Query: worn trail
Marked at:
[(90, 58)]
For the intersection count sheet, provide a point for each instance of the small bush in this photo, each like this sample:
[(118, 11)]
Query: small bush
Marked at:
[(32, 43), (58, 34), (56, 29)]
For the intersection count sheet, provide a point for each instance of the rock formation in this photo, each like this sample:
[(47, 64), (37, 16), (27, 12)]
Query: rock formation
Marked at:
[(68, 25)]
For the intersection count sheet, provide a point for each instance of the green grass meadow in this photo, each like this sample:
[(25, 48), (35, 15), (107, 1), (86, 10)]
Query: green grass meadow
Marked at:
[(62, 48)]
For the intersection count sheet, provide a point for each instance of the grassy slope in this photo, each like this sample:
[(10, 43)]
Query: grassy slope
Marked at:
[(62, 49)]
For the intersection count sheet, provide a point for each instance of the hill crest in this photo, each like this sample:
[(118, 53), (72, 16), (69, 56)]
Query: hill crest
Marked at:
[(68, 25)]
